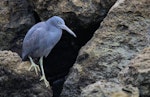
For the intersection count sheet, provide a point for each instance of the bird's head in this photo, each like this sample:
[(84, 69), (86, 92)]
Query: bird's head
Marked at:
[(60, 23)]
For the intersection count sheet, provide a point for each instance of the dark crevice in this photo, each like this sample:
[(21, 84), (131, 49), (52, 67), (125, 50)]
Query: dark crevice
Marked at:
[(36, 16), (63, 55)]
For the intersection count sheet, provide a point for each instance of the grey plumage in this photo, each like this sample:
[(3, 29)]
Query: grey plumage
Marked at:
[(42, 37), (40, 40)]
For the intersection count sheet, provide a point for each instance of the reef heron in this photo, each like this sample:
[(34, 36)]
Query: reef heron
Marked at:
[(40, 40)]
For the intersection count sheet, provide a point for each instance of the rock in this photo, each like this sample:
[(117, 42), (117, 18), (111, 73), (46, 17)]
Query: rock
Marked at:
[(16, 16), (121, 36), (138, 73), (17, 81), (81, 13), (109, 89)]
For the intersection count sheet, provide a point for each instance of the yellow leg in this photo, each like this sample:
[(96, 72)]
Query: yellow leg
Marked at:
[(43, 74), (34, 66)]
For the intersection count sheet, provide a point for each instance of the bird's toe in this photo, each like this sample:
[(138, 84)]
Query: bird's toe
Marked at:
[(45, 81), (47, 84), (34, 67)]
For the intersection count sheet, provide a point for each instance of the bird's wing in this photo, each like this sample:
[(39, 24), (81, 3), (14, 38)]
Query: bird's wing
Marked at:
[(34, 29), (31, 40)]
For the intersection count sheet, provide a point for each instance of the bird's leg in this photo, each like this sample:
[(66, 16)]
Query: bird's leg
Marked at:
[(43, 74), (34, 66)]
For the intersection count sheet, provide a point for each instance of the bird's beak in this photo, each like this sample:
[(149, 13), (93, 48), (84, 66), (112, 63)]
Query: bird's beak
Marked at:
[(68, 30)]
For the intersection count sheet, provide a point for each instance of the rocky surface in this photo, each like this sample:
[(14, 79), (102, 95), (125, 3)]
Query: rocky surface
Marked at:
[(15, 18), (83, 12), (121, 36), (109, 89), (138, 73), (17, 81)]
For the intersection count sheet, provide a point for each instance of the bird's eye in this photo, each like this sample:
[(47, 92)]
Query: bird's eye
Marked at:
[(58, 22)]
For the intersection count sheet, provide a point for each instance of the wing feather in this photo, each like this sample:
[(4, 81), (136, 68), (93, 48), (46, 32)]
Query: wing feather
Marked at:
[(31, 41)]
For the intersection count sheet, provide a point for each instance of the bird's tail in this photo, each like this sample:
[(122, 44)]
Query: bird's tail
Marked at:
[(24, 57)]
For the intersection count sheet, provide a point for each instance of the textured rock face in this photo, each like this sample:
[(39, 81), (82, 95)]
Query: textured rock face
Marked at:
[(121, 36), (16, 80), (15, 19), (138, 73), (108, 89), (83, 11)]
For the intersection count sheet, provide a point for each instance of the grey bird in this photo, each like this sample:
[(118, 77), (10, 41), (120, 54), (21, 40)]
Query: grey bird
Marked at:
[(40, 40)]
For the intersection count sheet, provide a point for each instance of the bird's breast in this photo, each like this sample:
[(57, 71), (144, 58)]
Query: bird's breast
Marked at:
[(51, 39), (55, 36), (49, 42)]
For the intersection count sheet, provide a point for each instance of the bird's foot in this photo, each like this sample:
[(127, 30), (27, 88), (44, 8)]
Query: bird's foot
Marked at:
[(34, 67), (45, 81)]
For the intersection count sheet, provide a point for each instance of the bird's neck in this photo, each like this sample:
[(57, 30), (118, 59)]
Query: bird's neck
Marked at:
[(52, 28)]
